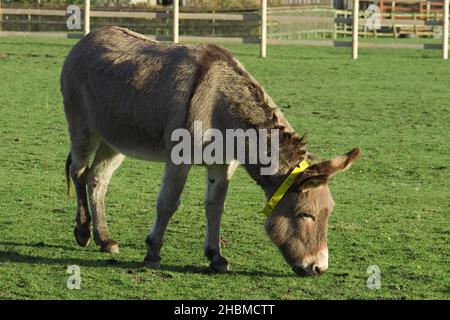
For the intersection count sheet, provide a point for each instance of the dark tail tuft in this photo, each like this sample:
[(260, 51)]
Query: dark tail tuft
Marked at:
[(68, 163)]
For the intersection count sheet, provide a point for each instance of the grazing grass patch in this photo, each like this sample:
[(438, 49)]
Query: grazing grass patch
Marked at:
[(392, 206)]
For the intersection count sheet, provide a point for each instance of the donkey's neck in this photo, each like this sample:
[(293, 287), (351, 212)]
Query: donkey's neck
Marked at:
[(291, 146), (251, 107)]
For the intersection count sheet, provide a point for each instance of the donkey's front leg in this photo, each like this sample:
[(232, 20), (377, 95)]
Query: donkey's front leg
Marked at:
[(218, 178), (168, 201)]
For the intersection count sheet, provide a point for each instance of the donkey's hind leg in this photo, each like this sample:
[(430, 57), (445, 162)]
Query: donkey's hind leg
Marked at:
[(84, 142), (83, 146), (105, 162), (168, 201)]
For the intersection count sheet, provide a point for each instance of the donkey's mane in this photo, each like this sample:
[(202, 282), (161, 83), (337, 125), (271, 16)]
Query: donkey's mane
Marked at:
[(294, 144)]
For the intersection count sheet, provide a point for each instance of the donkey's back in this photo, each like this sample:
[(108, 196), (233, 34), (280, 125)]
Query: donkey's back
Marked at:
[(128, 91)]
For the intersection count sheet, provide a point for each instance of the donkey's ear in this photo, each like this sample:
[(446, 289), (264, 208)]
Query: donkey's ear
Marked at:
[(313, 182), (338, 164)]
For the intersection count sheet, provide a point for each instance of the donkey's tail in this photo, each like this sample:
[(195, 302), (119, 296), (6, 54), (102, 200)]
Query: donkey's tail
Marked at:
[(67, 171)]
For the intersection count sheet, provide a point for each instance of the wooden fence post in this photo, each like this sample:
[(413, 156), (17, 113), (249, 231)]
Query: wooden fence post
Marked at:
[(393, 15), (175, 22), (335, 25), (365, 26), (1, 16), (263, 28), (87, 16), (355, 29), (445, 31)]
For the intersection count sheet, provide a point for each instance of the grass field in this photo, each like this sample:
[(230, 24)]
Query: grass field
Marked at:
[(392, 205)]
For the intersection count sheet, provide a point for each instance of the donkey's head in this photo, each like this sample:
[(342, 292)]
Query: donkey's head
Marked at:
[(298, 224)]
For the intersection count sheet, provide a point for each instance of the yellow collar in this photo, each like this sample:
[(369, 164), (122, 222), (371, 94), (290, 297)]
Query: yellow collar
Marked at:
[(283, 188)]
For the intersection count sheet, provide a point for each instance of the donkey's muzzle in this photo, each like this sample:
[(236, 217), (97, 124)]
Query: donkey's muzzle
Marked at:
[(313, 270)]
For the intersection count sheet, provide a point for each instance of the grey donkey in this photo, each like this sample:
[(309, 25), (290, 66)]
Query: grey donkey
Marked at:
[(124, 94)]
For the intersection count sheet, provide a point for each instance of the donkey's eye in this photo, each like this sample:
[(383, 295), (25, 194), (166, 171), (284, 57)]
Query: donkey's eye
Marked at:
[(307, 216)]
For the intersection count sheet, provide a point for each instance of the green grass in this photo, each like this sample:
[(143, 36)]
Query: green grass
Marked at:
[(392, 205)]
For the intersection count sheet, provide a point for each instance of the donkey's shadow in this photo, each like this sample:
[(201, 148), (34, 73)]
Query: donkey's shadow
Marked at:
[(108, 261)]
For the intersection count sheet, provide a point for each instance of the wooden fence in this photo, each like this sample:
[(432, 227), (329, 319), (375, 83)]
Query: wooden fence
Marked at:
[(299, 23), (392, 24), (340, 22), (175, 16), (403, 20)]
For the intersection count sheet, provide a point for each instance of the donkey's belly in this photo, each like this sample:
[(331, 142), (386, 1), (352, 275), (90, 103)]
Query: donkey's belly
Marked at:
[(142, 154), (134, 142)]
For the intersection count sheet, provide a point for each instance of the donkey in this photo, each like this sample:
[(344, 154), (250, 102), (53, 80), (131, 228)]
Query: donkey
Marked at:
[(124, 94)]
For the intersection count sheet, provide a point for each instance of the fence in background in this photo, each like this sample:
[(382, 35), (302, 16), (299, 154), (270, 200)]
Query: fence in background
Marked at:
[(393, 25), (402, 20), (284, 25), (157, 22), (315, 22)]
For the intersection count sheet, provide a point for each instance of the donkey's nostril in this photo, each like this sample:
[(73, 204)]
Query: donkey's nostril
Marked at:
[(317, 270)]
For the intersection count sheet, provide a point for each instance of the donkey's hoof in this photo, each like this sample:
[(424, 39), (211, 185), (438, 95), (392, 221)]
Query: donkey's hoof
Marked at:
[(219, 267), (83, 237), (152, 263), (110, 246), (219, 264)]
